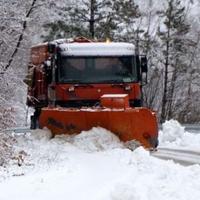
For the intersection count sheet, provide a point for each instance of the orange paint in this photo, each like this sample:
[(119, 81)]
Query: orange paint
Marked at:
[(95, 91), (128, 124)]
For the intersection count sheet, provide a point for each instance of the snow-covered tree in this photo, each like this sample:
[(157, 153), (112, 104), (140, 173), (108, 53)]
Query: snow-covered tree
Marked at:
[(173, 51), (83, 18), (174, 46), (16, 25), (95, 19)]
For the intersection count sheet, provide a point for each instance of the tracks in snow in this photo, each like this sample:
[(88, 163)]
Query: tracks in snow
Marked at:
[(181, 156)]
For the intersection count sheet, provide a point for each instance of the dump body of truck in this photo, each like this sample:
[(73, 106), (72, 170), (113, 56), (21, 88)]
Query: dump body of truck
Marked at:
[(76, 85)]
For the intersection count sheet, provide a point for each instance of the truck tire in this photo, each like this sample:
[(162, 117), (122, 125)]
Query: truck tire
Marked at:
[(34, 119)]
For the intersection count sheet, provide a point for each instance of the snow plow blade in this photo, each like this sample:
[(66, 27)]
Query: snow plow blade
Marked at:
[(128, 124)]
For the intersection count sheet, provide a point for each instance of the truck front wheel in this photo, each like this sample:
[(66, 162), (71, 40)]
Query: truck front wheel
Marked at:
[(35, 119)]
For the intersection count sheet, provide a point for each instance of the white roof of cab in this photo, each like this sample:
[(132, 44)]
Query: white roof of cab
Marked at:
[(97, 49)]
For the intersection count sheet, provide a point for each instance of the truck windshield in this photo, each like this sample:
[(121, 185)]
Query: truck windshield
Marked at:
[(120, 69)]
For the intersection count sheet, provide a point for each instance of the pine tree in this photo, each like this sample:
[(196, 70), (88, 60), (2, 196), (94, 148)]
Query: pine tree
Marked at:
[(99, 19), (173, 39), (125, 14), (88, 18)]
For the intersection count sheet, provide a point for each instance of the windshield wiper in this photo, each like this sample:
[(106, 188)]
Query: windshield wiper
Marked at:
[(70, 81), (78, 83), (110, 81), (81, 84)]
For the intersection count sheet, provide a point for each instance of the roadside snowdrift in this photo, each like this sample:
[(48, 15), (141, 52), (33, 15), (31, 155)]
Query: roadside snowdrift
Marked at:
[(174, 135), (96, 165), (33, 151)]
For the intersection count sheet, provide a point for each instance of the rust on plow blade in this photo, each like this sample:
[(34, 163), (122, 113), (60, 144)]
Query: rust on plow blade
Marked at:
[(128, 124)]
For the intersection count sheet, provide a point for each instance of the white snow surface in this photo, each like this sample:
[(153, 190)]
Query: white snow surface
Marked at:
[(96, 165), (97, 49), (174, 135)]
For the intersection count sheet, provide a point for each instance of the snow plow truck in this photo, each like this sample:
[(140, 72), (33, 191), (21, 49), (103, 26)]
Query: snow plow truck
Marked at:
[(77, 84)]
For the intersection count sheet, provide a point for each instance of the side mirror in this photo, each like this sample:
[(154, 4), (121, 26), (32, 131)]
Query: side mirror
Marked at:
[(48, 71), (51, 47), (144, 64)]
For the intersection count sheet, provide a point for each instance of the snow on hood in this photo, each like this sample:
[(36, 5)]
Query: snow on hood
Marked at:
[(97, 49)]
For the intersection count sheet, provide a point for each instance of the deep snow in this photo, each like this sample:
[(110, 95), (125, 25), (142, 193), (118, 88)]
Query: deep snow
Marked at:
[(174, 135), (96, 165)]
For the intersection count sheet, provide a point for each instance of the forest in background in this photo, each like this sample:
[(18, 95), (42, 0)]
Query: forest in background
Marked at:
[(167, 31)]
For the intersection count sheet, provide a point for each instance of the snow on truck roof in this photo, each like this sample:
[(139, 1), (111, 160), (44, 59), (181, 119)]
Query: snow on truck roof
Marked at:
[(97, 49)]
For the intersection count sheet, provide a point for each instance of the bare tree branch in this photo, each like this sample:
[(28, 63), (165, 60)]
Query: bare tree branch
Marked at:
[(20, 37)]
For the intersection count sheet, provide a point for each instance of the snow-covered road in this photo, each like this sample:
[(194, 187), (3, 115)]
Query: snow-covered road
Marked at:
[(96, 165), (178, 155)]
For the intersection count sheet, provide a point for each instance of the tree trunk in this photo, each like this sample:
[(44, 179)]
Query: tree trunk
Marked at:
[(20, 38), (164, 99), (92, 8), (171, 93)]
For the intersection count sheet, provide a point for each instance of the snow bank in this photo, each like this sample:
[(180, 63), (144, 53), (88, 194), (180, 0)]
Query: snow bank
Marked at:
[(95, 165), (115, 174), (6, 150), (37, 149), (171, 131), (156, 179), (174, 135), (97, 139)]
